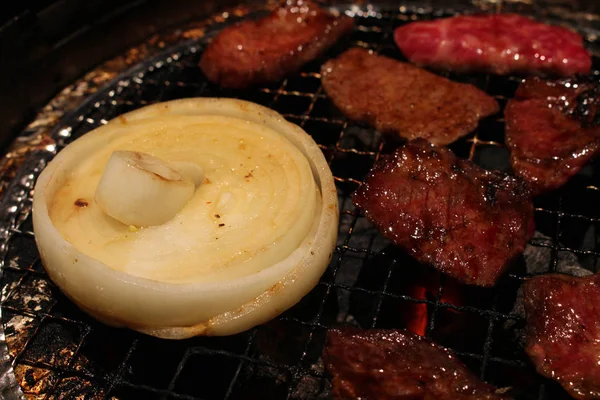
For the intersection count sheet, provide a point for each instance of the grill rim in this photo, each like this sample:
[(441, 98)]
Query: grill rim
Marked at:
[(17, 198)]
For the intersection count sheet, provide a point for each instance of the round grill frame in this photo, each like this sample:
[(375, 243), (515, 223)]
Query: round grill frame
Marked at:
[(65, 368)]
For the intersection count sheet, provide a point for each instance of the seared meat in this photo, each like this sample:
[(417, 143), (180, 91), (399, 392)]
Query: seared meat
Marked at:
[(563, 331), (467, 222), (268, 49), (497, 43), (553, 129), (399, 98), (379, 364)]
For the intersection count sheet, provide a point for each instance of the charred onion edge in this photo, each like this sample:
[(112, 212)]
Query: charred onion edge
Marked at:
[(76, 273)]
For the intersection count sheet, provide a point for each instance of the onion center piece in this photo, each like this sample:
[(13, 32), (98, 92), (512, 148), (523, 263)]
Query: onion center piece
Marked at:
[(141, 190)]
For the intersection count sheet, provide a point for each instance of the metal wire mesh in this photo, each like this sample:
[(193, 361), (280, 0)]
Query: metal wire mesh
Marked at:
[(59, 352)]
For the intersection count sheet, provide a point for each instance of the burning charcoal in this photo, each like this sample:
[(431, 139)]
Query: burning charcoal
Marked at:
[(414, 280), (416, 290), (590, 240), (278, 345), (539, 258), (311, 387), (365, 236), (281, 342), (256, 379)]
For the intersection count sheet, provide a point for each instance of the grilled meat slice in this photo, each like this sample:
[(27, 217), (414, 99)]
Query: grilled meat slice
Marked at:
[(467, 222), (395, 364), (553, 129), (563, 331), (401, 99), (268, 49), (497, 43)]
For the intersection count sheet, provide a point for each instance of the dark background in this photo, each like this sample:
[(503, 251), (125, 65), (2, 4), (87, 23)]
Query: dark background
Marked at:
[(45, 45)]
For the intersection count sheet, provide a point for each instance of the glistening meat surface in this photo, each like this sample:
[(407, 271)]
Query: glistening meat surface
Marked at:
[(467, 222), (553, 129), (395, 364), (401, 99), (268, 49), (563, 331), (497, 43)]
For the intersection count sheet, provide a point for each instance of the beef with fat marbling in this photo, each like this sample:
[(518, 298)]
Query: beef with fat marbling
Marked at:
[(563, 330), (497, 43), (266, 50), (378, 364), (553, 129), (467, 222)]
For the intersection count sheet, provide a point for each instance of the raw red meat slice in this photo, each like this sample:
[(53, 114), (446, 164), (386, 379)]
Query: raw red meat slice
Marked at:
[(497, 43)]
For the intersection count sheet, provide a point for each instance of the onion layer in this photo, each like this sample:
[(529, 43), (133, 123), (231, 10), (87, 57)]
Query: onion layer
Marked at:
[(254, 238), (140, 190)]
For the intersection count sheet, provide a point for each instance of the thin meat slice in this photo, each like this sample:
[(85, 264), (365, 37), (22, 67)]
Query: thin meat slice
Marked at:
[(401, 99), (497, 43), (395, 364), (563, 331), (553, 129), (467, 222), (268, 49)]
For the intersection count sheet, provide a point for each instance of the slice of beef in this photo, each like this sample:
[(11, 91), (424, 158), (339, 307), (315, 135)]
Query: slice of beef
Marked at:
[(268, 49), (467, 222), (497, 43), (401, 99), (553, 129), (395, 364), (563, 331)]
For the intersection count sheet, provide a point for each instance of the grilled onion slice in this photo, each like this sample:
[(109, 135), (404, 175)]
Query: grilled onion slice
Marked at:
[(254, 237)]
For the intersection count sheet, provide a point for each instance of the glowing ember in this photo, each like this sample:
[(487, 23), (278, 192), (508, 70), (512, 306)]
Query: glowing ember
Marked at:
[(416, 315)]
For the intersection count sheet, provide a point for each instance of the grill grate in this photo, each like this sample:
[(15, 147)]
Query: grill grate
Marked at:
[(59, 352)]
